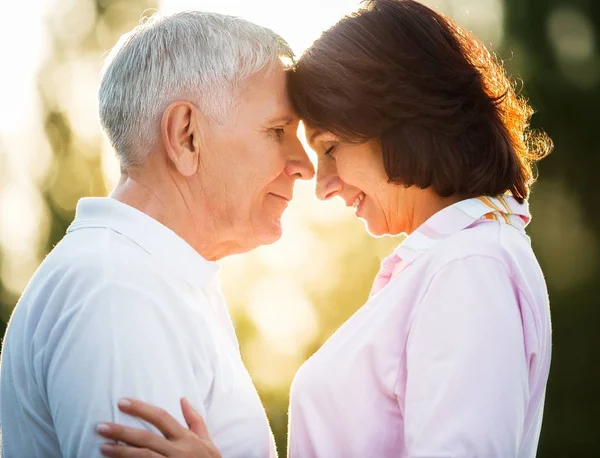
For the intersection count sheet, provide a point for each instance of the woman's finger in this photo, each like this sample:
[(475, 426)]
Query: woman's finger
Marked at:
[(134, 436), (124, 451), (193, 419), (156, 416)]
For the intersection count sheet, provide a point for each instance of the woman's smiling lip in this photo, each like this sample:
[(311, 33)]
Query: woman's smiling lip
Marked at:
[(353, 202)]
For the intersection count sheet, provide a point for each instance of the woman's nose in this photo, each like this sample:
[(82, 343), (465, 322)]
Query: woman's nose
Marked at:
[(328, 185)]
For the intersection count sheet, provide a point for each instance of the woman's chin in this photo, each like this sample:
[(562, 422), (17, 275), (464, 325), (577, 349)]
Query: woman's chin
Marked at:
[(374, 228)]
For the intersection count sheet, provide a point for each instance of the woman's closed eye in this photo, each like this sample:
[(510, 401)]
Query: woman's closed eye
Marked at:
[(329, 151)]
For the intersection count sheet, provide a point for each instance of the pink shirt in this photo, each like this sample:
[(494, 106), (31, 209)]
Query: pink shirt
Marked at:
[(448, 358)]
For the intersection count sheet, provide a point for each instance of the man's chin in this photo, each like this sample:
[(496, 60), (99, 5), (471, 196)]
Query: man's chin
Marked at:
[(272, 232), (269, 233)]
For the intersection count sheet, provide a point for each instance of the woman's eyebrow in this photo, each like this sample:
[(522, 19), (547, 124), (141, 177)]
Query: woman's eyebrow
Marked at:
[(314, 136)]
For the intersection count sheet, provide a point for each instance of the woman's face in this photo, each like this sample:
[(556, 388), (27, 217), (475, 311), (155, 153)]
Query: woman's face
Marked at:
[(355, 172)]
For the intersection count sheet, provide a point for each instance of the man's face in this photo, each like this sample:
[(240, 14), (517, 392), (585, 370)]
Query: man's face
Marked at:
[(252, 161)]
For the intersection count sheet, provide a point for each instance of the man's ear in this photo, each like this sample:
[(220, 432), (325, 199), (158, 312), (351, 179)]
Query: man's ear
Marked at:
[(181, 136)]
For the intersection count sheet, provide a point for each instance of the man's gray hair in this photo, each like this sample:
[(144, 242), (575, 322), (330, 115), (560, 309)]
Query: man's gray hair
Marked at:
[(195, 56)]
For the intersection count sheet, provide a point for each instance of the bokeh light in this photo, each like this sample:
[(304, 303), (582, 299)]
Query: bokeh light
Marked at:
[(573, 40)]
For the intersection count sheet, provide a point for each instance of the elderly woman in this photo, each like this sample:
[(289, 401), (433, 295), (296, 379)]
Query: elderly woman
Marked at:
[(417, 126)]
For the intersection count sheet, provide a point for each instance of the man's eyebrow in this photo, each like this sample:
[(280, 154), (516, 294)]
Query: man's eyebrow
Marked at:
[(283, 119)]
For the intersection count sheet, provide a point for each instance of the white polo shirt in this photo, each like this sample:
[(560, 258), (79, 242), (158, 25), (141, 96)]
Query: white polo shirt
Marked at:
[(122, 307)]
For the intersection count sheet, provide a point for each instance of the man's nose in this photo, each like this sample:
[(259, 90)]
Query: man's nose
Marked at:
[(299, 165)]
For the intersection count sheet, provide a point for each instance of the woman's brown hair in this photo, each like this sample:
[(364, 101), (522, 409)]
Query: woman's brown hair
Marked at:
[(441, 105)]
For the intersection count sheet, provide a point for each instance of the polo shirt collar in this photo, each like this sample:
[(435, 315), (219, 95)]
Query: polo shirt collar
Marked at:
[(171, 251)]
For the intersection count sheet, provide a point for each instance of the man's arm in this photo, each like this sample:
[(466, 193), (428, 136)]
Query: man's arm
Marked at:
[(467, 376), (119, 343)]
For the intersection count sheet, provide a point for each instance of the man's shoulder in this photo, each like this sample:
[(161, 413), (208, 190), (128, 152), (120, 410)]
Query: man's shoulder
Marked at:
[(94, 256), (96, 266), (98, 247), (84, 299)]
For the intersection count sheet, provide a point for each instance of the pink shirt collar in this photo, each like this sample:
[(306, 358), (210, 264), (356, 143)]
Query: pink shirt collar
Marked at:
[(460, 216), (450, 220)]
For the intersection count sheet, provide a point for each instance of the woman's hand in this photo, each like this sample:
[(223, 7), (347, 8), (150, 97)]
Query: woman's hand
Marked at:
[(178, 442)]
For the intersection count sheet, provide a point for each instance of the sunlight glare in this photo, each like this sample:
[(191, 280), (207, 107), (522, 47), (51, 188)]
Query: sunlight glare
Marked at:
[(300, 23), (285, 317), (20, 230)]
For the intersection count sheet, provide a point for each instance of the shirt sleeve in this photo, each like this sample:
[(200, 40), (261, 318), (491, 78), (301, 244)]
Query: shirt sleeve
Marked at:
[(120, 343), (466, 371)]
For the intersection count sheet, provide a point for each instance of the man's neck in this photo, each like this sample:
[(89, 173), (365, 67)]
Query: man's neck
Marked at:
[(162, 199)]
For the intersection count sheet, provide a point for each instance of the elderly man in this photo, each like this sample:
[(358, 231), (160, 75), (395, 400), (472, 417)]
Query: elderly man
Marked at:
[(128, 304)]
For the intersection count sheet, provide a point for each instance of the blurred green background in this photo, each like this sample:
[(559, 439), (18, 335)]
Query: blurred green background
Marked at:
[(288, 298)]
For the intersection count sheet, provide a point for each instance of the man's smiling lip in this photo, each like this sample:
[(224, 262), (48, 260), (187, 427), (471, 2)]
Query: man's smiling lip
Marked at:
[(287, 199)]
